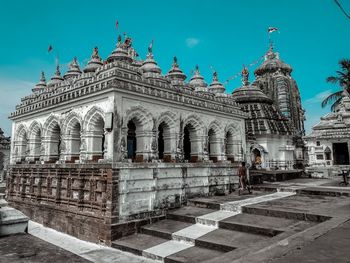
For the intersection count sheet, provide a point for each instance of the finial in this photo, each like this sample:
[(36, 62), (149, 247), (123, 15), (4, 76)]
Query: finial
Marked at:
[(245, 76), (175, 60), (58, 72), (95, 52), (119, 39), (215, 76), (75, 60), (42, 78)]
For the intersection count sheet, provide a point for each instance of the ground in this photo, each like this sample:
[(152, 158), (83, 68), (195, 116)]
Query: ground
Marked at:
[(307, 220)]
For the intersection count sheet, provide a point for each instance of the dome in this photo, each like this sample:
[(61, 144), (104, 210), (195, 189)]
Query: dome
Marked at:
[(149, 67), (73, 70), (175, 74), (41, 85), (272, 63), (263, 117), (57, 78), (123, 51), (197, 81), (94, 62), (216, 86)]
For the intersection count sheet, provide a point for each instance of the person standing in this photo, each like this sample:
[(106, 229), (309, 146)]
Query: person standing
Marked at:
[(242, 173)]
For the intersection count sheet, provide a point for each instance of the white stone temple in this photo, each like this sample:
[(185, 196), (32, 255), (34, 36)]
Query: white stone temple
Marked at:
[(329, 142)]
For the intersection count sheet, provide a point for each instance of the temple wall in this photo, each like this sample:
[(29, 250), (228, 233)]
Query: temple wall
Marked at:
[(149, 187)]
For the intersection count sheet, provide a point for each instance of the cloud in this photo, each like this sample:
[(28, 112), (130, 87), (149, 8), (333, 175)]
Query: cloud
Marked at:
[(192, 42), (319, 97)]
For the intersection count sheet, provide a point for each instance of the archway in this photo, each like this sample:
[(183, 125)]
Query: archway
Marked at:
[(131, 140), (161, 141), (187, 149), (74, 141), (256, 158)]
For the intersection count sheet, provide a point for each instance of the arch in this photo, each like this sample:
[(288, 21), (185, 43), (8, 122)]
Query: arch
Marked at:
[(193, 131), (233, 142), (93, 118), (71, 120), (94, 141), (215, 141), (21, 143), (53, 138), (51, 122), (72, 131), (166, 125), (196, 123), (139, 122), (35, 142), (142, 118)]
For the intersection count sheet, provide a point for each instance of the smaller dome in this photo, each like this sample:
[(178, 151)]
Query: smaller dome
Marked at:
[(41, 86), (197, 81), (57, 78), (249, 93), (216, 86), (272, 63), (123, 51), (149, 67), (94, 62), (73, 70), (175, 74)]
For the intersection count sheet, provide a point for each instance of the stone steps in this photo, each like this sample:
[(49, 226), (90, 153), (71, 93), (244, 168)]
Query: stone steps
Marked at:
[(198, 233)]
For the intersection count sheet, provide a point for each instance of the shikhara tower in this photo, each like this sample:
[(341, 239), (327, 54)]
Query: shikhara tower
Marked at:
[(274, 78)]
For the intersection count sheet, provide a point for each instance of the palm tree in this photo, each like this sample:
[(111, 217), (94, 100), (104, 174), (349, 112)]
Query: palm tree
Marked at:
[(343, 79)]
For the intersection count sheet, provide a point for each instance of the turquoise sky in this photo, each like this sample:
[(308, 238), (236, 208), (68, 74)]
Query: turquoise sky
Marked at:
[(314, 35)]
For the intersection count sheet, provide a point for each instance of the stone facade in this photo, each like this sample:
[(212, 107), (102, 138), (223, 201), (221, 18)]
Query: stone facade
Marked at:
[(329, 142), (5, 143), (274, 78), (269, 133), (118, 142)]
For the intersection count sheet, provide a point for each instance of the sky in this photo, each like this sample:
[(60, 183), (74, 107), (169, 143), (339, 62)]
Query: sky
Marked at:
[(222, 35)]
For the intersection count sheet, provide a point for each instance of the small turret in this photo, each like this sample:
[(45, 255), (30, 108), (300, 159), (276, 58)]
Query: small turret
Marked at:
[(95, 62), (216, 86), (73, 70), (175, 74), (150, 68), (41, 86), (57, 78), (197, 81)]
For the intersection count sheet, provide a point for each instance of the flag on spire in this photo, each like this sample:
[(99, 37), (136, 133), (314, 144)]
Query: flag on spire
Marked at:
[(272, 29), (49, 49)]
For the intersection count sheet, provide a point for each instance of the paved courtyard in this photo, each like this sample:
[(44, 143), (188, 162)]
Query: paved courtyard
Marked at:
[(306, 220)]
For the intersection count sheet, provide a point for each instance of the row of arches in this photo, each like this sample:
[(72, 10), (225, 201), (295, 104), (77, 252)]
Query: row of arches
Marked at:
[(170, 138), (68, 140), (143, 138)]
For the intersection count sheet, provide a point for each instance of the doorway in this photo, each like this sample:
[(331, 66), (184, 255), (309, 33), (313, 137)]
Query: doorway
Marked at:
[(340, 153)]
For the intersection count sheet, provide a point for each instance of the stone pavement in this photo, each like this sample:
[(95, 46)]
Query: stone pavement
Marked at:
[(86, 250), (306, 220), (24, 248)]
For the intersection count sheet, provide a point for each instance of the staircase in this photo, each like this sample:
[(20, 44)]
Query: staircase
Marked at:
[(207, 228)]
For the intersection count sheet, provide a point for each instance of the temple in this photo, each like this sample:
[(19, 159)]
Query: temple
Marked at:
[(103, 147), (328, 143)]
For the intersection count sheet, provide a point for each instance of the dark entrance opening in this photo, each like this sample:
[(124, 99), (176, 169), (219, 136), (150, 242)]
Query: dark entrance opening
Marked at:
[(103, 145), (160, 142), (341, 153), (187, 144), (131, 140)]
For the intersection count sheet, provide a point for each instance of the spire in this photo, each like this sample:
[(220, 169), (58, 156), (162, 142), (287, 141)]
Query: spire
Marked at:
[(123, 51), (245, 76), (197, 81), (150, 68), (216, 86), (57, 78), (94, 62), (41, 86), (73, 70), (175, 74)]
